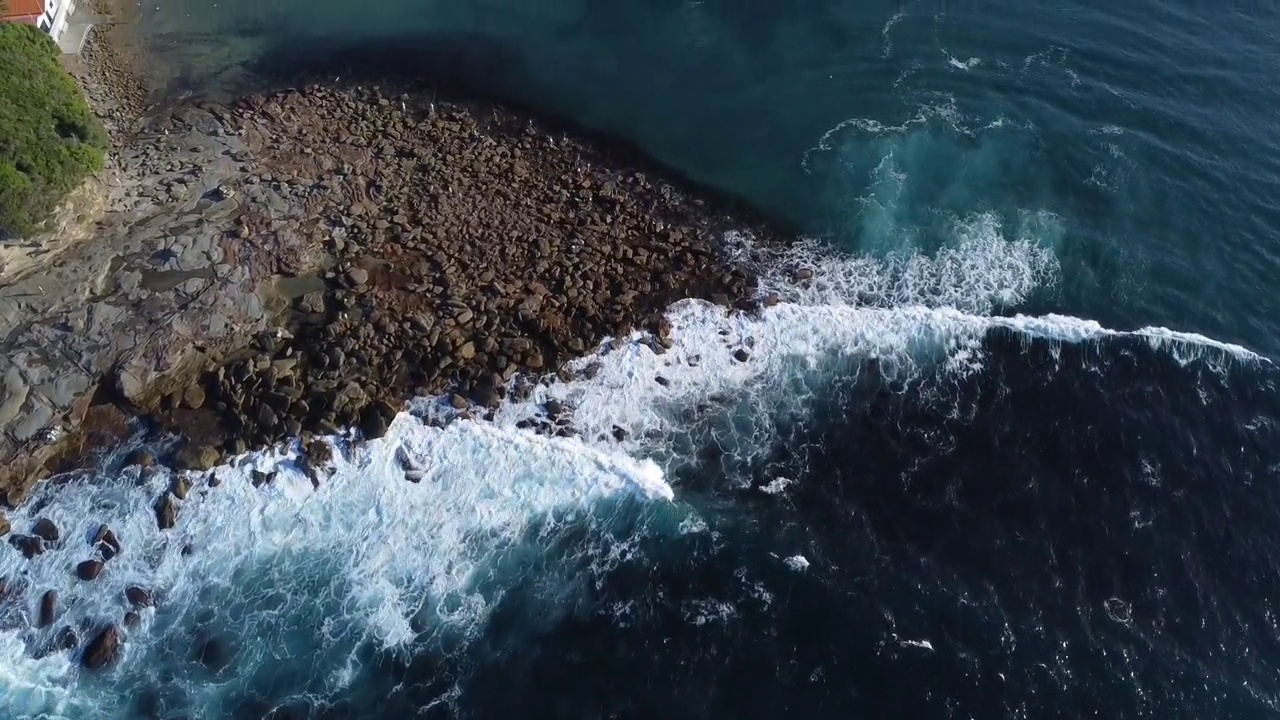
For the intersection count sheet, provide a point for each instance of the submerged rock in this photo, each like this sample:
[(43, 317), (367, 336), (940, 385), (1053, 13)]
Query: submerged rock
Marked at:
[(102, 649), (131, 619), (46, 530), (65, 639), (213, 653)]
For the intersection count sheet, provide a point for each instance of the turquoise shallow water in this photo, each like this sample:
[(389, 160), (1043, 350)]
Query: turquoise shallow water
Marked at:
[(1004, 457)]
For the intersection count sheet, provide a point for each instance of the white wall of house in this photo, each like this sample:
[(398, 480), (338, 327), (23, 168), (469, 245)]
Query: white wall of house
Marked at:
[(55, 17)]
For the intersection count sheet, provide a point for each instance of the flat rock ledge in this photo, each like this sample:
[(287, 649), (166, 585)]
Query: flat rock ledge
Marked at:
[(306, 260)]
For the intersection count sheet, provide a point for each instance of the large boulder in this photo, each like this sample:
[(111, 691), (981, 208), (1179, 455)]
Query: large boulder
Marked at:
[(48, 609), (46, 530), (138, 597), (89, 570), (166, 512), (102, 649), (29, 545), (197, 457), (106, 542)]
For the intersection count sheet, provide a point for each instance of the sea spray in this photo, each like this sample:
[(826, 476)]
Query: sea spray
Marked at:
[(409, 544)]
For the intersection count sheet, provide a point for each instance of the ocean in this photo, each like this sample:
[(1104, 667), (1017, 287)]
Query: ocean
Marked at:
[(1013, 451)]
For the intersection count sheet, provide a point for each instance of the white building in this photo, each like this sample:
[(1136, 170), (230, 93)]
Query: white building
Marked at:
[(50, 16)]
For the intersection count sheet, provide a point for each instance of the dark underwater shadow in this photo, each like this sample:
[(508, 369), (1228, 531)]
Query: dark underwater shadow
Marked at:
[(482, 73)]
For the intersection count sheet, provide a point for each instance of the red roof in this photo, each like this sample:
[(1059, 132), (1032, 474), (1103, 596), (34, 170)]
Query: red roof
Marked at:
[(21, 10)]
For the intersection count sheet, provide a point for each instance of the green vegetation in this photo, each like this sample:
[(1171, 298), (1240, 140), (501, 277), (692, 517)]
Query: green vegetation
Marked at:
[(49, 139)]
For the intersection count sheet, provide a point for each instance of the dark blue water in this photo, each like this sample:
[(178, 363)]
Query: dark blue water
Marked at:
[(906, 505)]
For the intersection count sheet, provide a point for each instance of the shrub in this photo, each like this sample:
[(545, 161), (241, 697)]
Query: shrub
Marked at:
[(49, 139)]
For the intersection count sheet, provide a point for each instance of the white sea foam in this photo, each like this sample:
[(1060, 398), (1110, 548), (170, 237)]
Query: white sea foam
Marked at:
[(959, 64), (366, 557), (982, 271), (888, 27), (798, 563), (369, 559)]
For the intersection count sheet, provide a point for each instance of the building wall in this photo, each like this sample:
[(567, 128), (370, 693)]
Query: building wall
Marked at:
[(55, 17)]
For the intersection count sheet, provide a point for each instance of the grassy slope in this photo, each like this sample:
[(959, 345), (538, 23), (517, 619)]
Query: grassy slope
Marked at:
[(49, 139)]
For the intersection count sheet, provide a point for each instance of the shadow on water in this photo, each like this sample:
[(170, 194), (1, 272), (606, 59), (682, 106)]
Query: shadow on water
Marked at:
[(478, 71)]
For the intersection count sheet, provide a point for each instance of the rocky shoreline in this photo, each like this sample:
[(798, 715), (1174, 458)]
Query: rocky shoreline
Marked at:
[(305, 260)]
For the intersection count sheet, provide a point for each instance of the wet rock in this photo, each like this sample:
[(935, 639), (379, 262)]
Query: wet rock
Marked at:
[(4, 525), (554, 408), (458, 402), (181, 487), (106, 542), (357, 276), (65, 639), (138, 597), (741, 355), (166, 512), (131, 619), (259, 478), (29, 545), (197, 457), (140, 457), (48, 609), (102, 649), (266, 417), (375, 420), (89, 570), (193, 397), (46, 530)]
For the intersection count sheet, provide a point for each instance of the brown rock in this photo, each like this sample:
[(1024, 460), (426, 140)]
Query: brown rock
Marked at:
[(193, 397), (48, 609), (131, 619), (29, 545), (357, 276), (166, 512), (46, 530), (138, 597), (197, 457), (102, 649), (4, 525), (181, 487), (106, 542), (141, 457), (89, 570)]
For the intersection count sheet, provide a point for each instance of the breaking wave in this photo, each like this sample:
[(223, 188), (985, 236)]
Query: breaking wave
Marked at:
[(411, 541)]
